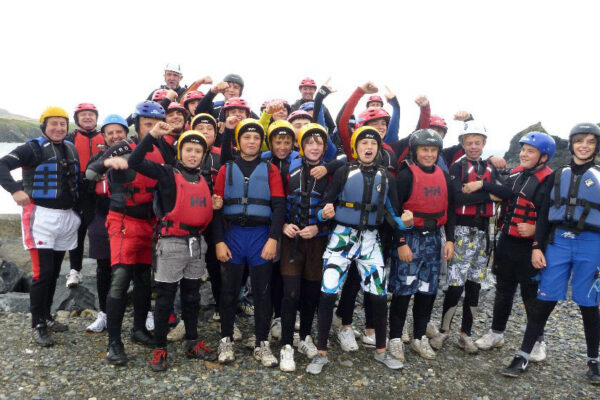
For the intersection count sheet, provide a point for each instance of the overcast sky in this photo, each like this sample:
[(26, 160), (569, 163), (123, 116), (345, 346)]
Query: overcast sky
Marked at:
[(510, 63)]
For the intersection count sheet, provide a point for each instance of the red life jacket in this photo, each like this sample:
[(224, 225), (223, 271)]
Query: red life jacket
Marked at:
[(192, 204), (520, 208), (470, 174), (87, 147), (141, 189), (429, 197)]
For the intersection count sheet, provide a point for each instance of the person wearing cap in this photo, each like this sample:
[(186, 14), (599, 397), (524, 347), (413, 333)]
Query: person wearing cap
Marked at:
[(423, 188), (476, 188), (88, 141), (184, 210), (48, 195), (246, 232), (568, 227), (528, 184), (173, 77), (356, 200), (114, 129)]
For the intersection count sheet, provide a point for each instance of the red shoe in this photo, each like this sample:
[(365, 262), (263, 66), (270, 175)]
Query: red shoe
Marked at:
[(159, 360), (198, 349)]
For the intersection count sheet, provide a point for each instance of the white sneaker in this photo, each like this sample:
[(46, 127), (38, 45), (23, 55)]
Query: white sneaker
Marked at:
[(405, 335), (438, 340), (538, 354), (347, 339), (316, 365), (99, 325), (150, 321), (297, 324), (307, 347), (466, 343), (74, 278), (296, 340), (389, 361), (422, 348), (368, 340), (250, 343), (396, 348), (237, 334), (431, 330), (286, 359), (489, 341), (226, 354), (177, 333), (264, 355), (276, 329), (216, 316)]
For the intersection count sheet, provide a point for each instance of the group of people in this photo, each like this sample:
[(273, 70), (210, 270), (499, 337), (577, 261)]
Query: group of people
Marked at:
[(309, 210)]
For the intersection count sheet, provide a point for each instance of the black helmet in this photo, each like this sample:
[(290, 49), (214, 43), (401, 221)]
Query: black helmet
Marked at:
[(425, 137), (584, 127), (235, 78)]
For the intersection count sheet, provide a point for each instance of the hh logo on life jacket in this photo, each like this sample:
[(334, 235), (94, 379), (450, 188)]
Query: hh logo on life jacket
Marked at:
[(433, 191), (196, 201)]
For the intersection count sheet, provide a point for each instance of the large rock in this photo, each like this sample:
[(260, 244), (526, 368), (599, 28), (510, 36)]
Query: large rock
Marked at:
[(562, 156), (10, 275), (14, 302), (76, 299)]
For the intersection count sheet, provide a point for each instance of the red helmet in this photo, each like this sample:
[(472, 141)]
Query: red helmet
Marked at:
[(436, 120), (175, 106), (159, 95), (299, 114), (372, 114), (236, 102), (84, 107), (307, 82), (374, 98), (191, 96)]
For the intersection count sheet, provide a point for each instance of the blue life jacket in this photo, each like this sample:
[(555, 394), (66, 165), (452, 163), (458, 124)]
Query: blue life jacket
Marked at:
[(358, 209), (305, 194), (247, 197), (48, 179), (266, 155), (576, 199)]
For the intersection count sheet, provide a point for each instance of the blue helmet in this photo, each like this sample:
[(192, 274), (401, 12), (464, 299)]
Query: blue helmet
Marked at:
[(541, 141), (114, 119), (149, 109), (308, 106)]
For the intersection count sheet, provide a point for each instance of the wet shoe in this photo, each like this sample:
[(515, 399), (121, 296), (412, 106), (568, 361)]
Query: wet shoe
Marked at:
[(286, 359), (226, 354), (490, 340), (99, 325), (55, 326), (396, 348), (431, 330), (41, 337), (307, 347), (438, 340), (74, 278), (264, 355), (593, 373), (405, 335), (368, 340), (316, 365), (538, 353), (159, 360), (177, 333), (116, 353), (199, 349), (466, 343), (276, 329), (143, 337), (518, 365), (389, 361), (423, 348), (347, 339)]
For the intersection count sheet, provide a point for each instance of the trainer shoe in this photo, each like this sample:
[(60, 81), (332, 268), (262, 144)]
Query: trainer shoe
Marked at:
[(116, 353), (347, 339), (396, 348), (317, 363), (431, 330), (150, 321), (538, 353), (276, 329), (199, 349), (438, 340), (386, 359), (518, 365), (159, 360), (247, 308), (237, 334), (55, 326), (286, 359), (489, 341), (250, 342), (422, 348), (405, 335), (99, 325), (296, 339), (73, 278), (226, 354), (142, 336), (368, 340), (307, 347), (41, 337), (177, 333), (264, 355), (466, 343), (216, 316), (297, 324), (593, 373)]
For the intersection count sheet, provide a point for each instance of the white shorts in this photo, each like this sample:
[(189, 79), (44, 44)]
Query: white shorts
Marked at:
[(49, 228)]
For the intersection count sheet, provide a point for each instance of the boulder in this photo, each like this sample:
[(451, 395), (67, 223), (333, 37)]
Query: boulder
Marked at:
[(10, 276), (24, 285), (14, 302), (76, 299)]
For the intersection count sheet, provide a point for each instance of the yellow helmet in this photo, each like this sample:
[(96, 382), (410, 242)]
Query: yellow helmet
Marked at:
[(248, 125), (53, 111), (281, 127), (312, 129), (204, 118), (364, 132), (191, 136)]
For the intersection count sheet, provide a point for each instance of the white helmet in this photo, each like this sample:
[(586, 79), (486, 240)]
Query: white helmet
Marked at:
[(173, 67), (472, 128)]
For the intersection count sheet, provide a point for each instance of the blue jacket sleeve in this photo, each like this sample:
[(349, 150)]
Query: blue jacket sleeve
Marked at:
[(394, 126)]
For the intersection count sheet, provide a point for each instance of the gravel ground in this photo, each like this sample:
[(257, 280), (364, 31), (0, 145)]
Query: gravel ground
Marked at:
[(74, 367)]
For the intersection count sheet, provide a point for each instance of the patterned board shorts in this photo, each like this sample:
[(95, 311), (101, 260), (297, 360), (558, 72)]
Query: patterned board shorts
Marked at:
[(470, 256)]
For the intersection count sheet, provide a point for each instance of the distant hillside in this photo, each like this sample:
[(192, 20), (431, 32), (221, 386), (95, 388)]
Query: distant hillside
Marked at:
[(17, 128)]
